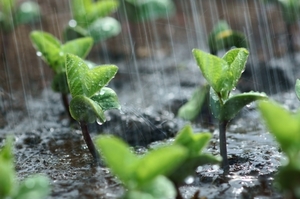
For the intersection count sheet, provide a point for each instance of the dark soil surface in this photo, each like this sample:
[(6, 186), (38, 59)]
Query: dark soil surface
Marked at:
[(46, 142)]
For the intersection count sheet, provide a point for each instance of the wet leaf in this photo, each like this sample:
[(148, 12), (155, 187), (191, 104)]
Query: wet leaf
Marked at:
[(213, 68), (106, 99), (297, 88), (159, 188), (236, 60), (85, 110), (192, 108), (86, 12), (148, 10), (104, 28), (161, 161), (80, 47), (28, 11), (195, 142), (284, 125), (118, 157), (35, 187), (53, 52), (235, 103), (85, 81), (7, 172)]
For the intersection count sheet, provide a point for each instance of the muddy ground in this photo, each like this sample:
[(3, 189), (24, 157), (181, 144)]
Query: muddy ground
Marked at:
[(46, 142)]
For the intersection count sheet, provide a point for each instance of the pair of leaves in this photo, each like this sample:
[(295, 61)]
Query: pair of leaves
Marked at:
[(135, 171), (53, 52), (223, 74), (147, 10), (91, 20), (32, 187), (222, 37), (194, 143), (89, 96)]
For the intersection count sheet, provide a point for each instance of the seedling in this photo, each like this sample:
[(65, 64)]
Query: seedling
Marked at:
[(90, 97), (177, 161), (139, 11), (222, 74), (91, 19), (285, 126), (194, 143), (11, 15), (142, 175), (222, 37), (36, 186), (53, 53)]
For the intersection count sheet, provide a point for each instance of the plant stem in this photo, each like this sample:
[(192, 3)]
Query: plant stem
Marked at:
[(223, 147), (65, 102), (89, 142)]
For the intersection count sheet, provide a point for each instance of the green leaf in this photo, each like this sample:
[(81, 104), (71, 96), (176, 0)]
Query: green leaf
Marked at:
[(7, 172), (101, 9), (85, 110), (213, 68), (297, 88), (149, 10), (8, 6), (235, 103), (106, 99), (236, 60), (118, 157), (35, 187), (194, 142), (80, 47), (161, 161), (192, 108), (159, 188), (85, 81), (28, 11), (284, 125), (80, 8), (104, 28)]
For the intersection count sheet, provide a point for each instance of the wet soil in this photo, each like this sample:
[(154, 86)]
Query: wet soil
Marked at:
[(46, 142)]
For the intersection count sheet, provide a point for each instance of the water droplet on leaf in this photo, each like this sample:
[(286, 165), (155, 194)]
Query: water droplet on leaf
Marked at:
[(99, 122), (39, 54), (72, 23)]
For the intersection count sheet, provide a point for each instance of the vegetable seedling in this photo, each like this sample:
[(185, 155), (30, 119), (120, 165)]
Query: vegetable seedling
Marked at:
[(142, 175), (36, 186), (222, 74), (91, 19), (285, 127), (194, 143), (12, 15), (53, 53), (90, 97), (222, 37), (148, 10)]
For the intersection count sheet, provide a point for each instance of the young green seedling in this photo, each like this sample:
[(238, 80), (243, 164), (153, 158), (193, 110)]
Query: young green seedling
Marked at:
[(91, 19), (223, 37), (285, 126), (36, 186), (149, 10), (11, 15), (142, 175), (222, 74), (194, 143), (90, 97), (53, 53)]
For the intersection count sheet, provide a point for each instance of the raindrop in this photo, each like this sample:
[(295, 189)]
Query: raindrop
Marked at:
[(102, 92), (189, 180), (99, 122), (39, 54), (72, 23)]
